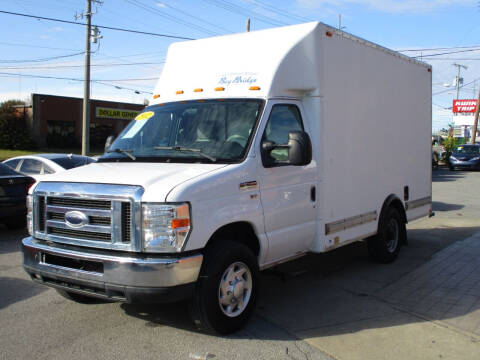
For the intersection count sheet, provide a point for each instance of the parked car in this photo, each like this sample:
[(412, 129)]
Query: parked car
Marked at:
[(465, 157), (13, 192), (41, 165)]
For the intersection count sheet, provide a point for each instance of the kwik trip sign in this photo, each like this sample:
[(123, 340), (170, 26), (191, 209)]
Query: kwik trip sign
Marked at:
[(120, 114), (464, 106)]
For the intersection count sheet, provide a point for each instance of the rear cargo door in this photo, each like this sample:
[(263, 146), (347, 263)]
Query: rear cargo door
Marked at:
[(288, 192)]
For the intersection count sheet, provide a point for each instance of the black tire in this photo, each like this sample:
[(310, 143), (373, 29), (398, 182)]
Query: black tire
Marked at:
[(79, 298), (385, 246), (451, 168), (16, 222), (206, 309)]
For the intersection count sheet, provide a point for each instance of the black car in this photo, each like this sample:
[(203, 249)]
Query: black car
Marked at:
[(13, 192), (465, 157)]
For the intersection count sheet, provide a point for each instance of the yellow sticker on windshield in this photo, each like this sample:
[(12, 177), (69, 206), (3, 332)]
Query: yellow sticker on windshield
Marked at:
[(145, 116)]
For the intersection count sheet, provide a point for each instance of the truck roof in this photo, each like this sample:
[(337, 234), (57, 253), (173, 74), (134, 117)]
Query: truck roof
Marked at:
[(278, 62)]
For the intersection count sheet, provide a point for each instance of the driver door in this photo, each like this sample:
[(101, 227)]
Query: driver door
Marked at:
[(288, 193)]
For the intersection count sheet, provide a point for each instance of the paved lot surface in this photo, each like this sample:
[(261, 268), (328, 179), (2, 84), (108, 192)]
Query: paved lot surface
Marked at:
[(337, 305)]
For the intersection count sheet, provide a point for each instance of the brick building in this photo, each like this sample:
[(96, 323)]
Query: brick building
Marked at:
[(56, 121)]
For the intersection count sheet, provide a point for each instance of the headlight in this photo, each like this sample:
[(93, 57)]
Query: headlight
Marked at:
[(453, 158), (30, 214), (476, 158), (165, 227)]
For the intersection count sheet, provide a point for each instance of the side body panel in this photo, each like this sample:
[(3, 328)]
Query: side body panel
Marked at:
[(375, 137)]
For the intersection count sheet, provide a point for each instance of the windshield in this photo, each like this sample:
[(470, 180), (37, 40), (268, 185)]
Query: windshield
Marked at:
[(467, 150), (198, 131)]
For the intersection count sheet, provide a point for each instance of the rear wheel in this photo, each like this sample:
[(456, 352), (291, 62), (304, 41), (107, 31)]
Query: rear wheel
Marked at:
[(385, 246), (226, 289)]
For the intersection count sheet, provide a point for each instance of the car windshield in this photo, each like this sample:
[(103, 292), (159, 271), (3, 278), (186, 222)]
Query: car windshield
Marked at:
[(73, 161), (190, 131), (467, 150)]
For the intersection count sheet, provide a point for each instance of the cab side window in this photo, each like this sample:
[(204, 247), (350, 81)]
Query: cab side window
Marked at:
[(283, 119)]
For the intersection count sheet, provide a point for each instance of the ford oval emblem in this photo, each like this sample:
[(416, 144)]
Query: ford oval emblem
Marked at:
[(76, 219)]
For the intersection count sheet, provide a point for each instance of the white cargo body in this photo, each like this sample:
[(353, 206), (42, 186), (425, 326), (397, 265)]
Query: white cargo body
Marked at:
[(257, 148), (368, 110)]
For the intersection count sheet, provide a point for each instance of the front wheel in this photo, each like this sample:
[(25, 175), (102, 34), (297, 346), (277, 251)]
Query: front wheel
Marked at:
[(226, 290), (385, 246)]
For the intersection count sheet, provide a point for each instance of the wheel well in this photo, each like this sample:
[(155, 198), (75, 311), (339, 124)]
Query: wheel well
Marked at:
[(241, 232), (394, 201)]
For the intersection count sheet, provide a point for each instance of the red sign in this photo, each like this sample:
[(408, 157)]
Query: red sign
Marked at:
[(464, 106)]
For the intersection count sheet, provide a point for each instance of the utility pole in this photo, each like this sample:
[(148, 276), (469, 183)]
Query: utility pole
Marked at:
[(458, 79), (248, 25), (475, 121), (86, 86), (340, 27)]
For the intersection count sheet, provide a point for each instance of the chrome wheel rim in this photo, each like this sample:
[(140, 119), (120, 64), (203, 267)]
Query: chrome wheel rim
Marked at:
[(392, 235), (235, 289)]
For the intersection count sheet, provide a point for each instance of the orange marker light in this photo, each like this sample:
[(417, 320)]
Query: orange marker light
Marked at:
[(156, 96), (180, 223), (254, 88), (179, 92), (219, 88), (329, 33), (198, 90)]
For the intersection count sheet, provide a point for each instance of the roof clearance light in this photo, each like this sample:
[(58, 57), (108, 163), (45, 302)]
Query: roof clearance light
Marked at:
[(329, 33), (254, 88), (219, 88), (179, 92), (198, 90), (156, 96)]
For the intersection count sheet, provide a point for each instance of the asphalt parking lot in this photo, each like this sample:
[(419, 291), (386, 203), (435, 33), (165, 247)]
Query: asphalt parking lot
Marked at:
[(337, 305)]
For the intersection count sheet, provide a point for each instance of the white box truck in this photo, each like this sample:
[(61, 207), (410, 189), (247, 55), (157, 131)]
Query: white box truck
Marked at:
[(256, 149)]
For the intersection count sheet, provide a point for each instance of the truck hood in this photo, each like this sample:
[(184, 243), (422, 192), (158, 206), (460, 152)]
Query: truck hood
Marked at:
[(158, 177)]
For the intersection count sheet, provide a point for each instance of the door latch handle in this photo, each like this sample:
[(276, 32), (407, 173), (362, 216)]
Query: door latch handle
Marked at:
[(313, 193)]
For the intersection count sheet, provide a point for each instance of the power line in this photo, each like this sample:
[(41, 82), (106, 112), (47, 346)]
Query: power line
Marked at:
[(441, 48), (197, 18), (54, 67), (99, 26), (35, 46), (103, 82), (280, 11), (41, 59), (445, 53), (238, 10), (158, 12)]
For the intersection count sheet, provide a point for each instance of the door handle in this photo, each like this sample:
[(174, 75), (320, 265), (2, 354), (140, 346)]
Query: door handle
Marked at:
[(313, 193)]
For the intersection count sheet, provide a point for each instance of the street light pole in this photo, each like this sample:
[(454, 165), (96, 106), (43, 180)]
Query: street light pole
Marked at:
[(457, 82), (86, 85)]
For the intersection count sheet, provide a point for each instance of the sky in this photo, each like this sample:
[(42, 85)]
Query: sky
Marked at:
[(125, 65)]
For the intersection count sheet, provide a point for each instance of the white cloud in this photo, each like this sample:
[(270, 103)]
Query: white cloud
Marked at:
[(162, 5), (390, 6)]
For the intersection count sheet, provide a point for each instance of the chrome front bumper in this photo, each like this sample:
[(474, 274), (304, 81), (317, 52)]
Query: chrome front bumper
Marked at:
[(130, 277)]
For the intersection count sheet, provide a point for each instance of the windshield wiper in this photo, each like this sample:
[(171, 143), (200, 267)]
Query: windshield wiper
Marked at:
[(186, 149), (123, 151)]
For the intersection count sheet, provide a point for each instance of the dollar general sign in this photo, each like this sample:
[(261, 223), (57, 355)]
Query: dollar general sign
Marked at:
[(120, 114)]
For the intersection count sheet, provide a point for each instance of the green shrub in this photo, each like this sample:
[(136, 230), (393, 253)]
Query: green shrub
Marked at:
[(13, 130)]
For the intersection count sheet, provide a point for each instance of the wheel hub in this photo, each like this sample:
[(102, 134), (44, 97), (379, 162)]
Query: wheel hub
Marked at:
[(235, 289)]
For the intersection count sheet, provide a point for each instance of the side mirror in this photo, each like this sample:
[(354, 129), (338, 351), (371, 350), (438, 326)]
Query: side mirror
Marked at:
[(109, 142), (300, 148)]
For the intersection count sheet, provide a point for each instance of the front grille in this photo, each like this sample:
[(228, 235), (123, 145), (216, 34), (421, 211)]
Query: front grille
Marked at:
[(80, 203), (89, 215), (41, 213), (56, 216), (99, 220), (78, 234), (126, 222)]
